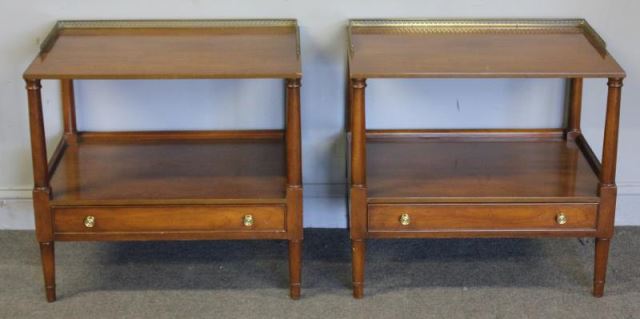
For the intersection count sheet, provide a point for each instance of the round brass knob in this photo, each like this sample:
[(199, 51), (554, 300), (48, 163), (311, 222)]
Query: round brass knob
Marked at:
[(405, 219), (561, 219), (89, 221), (248, 220)]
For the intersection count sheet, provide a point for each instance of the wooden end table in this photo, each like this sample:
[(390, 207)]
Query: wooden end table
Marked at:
[(167, 185), (481, 182)]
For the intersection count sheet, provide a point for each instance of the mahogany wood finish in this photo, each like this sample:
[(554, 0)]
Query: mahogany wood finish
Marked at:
[(38, 145), (154, 219), (358, 190), (461, 183), (68, 107), (608, 189), (49, 269), (575, 107), (294, 185), (295, 268), (478, 169), (358, 154), (167, 185), (358, 250), (168, 171), (532, 217), (169, 49), (480, 48), (600, 269)]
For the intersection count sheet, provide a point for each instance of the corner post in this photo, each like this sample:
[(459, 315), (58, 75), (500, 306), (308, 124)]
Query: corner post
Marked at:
[(610, 147), (294, 185), (41, 190), (575, 108), (608, 190), (358, 191), (292, 135), (38, 142), (69, 110), (358, 132)]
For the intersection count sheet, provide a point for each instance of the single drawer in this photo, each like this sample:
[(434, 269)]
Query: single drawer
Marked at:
[(169, 218), (481, 216)]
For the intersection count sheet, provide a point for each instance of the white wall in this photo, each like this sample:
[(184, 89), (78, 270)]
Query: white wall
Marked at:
[(216, 104)]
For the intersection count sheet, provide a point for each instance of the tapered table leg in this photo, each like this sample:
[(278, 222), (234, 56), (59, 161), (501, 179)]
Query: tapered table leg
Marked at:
[(295, 268), (41, 190), (575, 108), (358, 191), (49, 270), (358, 252), (608, 189), (294, 184), (600, 269)]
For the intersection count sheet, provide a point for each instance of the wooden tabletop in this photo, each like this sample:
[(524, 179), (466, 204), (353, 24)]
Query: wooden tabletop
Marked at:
[(478, 48), (181, 49)]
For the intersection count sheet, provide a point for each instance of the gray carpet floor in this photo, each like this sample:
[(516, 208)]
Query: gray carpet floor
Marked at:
[(480, 278)]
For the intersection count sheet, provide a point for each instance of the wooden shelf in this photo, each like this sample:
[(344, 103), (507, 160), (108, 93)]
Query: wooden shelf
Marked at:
[(478, 48), (485, 169), (151, 49), (153, 169)]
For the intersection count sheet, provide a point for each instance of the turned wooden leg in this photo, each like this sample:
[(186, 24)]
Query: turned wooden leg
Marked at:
[(41, 189), (295, 268), (606, 214), (358, 193), (358, 249), (49, 269), (294, 184), (600, 269)]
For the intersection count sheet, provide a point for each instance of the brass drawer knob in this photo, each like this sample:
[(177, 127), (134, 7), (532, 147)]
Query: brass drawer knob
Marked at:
[(405, 219), (89, 221), (248, 220), (561, 219)]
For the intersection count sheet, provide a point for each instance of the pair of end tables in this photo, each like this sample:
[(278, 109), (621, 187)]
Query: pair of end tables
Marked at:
[(247, 184)]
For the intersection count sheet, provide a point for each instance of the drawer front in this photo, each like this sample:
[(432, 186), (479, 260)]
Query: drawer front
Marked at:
[(481, 216), (169, 218)]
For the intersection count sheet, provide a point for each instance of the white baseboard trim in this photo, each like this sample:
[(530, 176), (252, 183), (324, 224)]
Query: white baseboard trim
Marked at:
[(15, 193), (325, 206), (16, 213), (629, 188)]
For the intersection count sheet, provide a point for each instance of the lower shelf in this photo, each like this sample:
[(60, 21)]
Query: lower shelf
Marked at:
[(148, 169), (494, 169), (173, 186), (477, 183)]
